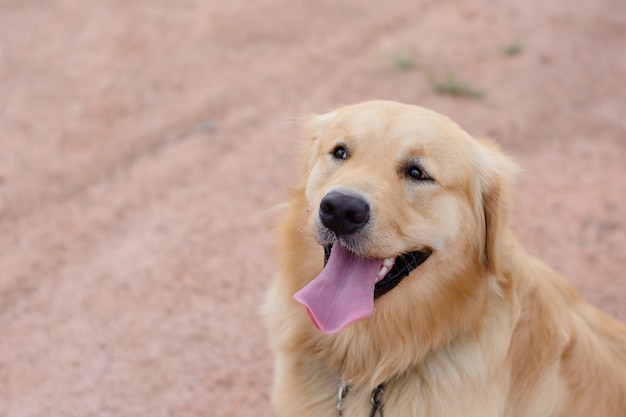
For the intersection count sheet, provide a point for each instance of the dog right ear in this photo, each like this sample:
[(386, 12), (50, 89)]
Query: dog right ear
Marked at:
[(314, 127), (495, 193)]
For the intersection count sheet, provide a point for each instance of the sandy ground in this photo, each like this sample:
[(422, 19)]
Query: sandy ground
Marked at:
[(143, 144)]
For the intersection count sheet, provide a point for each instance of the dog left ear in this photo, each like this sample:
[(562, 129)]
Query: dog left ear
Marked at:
[(496, 175)]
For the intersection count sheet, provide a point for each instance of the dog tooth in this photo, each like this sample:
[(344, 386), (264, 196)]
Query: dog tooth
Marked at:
[(383, 271), (388, 262)]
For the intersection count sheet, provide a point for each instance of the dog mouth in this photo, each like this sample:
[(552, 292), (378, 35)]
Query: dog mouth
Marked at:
[(393, 270), (345, 290)]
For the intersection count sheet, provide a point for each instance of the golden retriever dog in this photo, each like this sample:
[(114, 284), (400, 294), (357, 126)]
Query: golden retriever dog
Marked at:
[(401, 291)]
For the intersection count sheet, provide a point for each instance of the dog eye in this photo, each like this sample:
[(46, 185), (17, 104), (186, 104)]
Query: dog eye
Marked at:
[(417, 173), (340, 152)]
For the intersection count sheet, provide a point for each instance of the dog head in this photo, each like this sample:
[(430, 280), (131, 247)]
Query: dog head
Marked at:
[(406, 204)]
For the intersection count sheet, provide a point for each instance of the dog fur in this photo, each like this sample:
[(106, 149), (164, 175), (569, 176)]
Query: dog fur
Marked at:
[(479, 329)]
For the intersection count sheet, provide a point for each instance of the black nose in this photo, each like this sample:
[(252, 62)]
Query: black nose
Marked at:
[(343, 213)]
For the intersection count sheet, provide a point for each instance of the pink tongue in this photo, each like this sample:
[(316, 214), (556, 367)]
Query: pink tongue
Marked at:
[(343, 293)]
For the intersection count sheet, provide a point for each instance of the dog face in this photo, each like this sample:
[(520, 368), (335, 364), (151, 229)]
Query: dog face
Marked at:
[(402, 194), (412, 169)]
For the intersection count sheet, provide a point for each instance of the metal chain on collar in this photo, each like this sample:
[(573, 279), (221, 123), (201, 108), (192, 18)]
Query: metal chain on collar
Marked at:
[(341, 394), (376, 398)]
